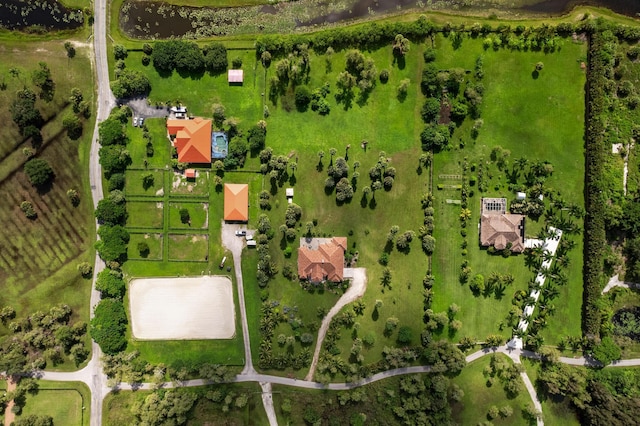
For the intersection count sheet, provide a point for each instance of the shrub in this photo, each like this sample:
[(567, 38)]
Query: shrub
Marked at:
[(384, 76), (85, 269), (28, 210), (73, 196), (38, 171), (143, 249), (215, 58), (116, 181), (302, 97), (405, 334)]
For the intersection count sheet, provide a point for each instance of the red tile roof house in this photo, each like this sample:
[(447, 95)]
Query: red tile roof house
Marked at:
[(192, 139), (236, 202), (501, 229), (322, 259)]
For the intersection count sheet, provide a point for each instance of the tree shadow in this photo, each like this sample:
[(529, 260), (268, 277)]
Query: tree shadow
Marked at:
[(375, 315), (319, 166), (363, 201), (535, 74), (373, 203), (292, 180)]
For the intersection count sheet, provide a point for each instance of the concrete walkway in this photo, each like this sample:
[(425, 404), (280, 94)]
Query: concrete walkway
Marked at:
[(615, 282), (355, 291), (235, 245), (267, 401)]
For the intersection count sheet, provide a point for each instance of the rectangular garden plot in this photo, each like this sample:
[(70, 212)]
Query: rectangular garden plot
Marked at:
[(188, 215), (189, 247), (182, 185), (145, 247), (145, 182), (145, 214)]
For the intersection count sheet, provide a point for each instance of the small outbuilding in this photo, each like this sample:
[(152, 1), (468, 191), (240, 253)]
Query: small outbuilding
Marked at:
[(289, 193), (521, 195), (235, 76), (190, 173)]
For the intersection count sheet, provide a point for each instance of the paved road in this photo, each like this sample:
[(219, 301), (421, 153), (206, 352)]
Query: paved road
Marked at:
[(93, 375), (235, 245), (356, 291)]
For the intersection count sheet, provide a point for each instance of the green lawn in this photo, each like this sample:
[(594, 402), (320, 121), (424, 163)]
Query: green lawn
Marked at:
[(198, 94), (137, 145), (154, 241), (198, 215), (190, 247), (135, 185), (479, 396), (145, 214), (67, 402)]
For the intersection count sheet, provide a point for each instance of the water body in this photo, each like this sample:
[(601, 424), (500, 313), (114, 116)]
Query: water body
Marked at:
[(48, 14), (153, 19)]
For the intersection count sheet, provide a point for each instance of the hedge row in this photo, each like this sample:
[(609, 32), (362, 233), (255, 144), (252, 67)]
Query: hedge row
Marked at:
[(376, 34), (599, 59)]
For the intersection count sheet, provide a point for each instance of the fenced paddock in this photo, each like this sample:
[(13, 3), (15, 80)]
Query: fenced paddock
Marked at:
[(182, 308)]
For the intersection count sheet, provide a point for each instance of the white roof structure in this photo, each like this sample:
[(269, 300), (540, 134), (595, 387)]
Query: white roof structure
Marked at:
[(235, 76), (521, 195)]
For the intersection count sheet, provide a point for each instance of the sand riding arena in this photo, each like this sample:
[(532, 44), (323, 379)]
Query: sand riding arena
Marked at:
[(182, 308)]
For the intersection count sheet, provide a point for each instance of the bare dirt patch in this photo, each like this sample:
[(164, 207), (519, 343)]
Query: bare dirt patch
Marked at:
[(182, 308)]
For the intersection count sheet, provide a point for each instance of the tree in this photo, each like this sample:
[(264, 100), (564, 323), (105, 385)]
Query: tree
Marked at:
[(265, 58), (110, 213), (42, 79), (147, 180), (114, 159), (401, 45), (390, 325), (344, 190), (428, 244), (39, 172), (405, 335), (120, 52), (184, 216), (71, 50), (215, 58), (108, 326), (24, 112), (110, 284), (444, 357), (72, 125), (130, 83), (111, 132), (256, 137), (28, 210), (607, 351), (539, 66), (85, 269), (302, 97), (112, 245), (435, 137)]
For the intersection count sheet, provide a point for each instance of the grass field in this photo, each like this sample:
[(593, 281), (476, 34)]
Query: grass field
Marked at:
[(198, 215), (190, 247), (479, 397), (67, 402), (38, 257), (134, 184), (145, 214), (154, 241)]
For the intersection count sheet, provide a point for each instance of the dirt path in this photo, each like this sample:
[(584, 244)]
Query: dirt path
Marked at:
[(9, 416), (358, 286)]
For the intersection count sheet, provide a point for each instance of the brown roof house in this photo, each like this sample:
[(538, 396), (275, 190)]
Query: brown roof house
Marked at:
[(501, 229), (236, 202), (321, 259)]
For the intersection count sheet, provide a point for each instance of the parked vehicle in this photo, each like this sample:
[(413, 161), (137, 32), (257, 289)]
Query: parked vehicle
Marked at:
[(241, 233)]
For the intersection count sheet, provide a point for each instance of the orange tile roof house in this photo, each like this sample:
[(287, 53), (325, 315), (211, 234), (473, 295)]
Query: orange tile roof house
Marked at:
[(236, 202), (322, 259), (192, 139), (501, 229)]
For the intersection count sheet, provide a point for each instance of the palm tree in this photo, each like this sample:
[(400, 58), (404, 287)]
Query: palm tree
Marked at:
[(293, 166), (320, 156), (332, 152)]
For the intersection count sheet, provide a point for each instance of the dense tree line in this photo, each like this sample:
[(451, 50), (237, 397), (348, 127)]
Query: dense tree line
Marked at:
[(109, 325), (187, 57), (600, 59)]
